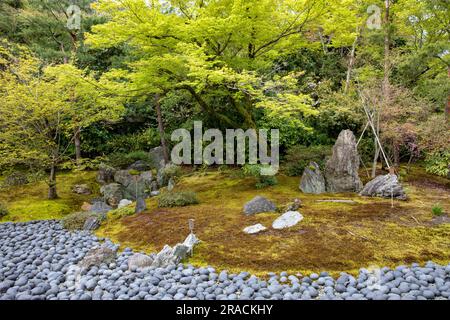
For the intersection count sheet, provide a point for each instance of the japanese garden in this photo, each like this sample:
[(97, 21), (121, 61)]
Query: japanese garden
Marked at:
[(224, 150)]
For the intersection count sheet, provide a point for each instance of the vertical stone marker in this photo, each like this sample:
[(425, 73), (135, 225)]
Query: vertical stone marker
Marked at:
[(312, 179), (341, 171)]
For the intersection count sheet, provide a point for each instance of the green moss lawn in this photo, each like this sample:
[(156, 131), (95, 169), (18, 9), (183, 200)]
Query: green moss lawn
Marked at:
[(333, 236)]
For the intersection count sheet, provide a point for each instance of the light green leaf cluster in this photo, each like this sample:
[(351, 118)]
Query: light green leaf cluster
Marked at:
[(42, 106), (220, 46)]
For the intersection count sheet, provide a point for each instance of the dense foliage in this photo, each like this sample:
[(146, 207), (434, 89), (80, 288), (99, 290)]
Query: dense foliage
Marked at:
[(133, 71)]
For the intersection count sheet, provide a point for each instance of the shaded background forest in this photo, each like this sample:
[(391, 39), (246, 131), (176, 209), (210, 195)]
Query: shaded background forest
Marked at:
[(134, 71)]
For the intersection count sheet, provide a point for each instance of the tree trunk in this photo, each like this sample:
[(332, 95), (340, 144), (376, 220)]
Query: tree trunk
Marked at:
[(375, 159), (387, 43), (161, 128), (220, 118), (52, 194), (447, 107), (77, 142), (396, 154), (350, 64)]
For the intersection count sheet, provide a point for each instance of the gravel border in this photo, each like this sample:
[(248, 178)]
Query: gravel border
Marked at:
[(38, 262)]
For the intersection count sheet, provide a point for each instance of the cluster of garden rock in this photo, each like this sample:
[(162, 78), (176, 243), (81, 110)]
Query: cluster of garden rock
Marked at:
[(130, 184), (121, 187), (135, 182), (259, 204), (41, 260), (341, 174)]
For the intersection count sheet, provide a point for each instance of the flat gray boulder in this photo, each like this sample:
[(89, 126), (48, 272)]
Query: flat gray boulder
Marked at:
[(341, 170), (97, 256), (100, 207), (258, 205), (312, 180), (254, 229), (139, 261), (385, 186), (286, 220)]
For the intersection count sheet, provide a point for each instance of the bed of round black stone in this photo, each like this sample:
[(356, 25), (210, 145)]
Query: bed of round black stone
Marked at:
[(38, 259)]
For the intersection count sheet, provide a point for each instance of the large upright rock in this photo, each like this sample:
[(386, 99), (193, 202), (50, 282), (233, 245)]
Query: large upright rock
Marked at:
[(134, 186), (166, 172), (386, 186), (140, 205), (157, 157), (105, 174), (312, 179), (341, 171), (112, 193)]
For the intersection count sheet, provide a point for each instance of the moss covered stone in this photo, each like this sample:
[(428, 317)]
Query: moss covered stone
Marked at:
[(177, 199), (76, 221)]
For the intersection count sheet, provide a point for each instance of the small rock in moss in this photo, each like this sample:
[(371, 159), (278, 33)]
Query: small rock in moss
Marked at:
[(177, 199), (77, 220)]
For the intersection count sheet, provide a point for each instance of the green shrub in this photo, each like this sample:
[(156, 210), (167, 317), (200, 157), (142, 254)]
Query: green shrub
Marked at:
[(16, 178), (438, 163), (126, 143), (123, 160), (83, 165), (437, 210), (292, 130), (75, 221), (121, 212), (254, 170), (177, 199), (172, 171), (3, 210), (265, 181), (298, 157), (169, 171), (366, 149)]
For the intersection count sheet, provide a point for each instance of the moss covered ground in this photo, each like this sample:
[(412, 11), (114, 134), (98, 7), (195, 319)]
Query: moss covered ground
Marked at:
[(332, 237), (28, 202)]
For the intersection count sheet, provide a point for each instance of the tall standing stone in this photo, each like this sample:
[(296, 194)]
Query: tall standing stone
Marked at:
[(341, 171), (157, 157), (141, 206), (312, 179)]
